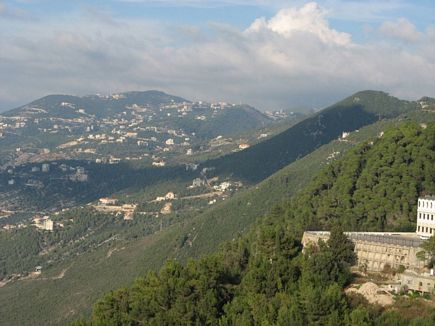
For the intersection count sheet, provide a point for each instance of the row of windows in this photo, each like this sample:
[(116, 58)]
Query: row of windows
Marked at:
[(423, 216), (426, 203), (425, 229), (421, 283)]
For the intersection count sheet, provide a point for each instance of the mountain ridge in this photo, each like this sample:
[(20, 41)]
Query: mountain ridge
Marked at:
[(352, 113), (53, 101)]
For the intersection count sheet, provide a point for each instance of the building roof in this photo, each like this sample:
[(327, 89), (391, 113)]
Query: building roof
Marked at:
[(408, 239)]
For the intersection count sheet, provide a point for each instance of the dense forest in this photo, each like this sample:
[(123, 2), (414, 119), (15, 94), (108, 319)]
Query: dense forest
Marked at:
[(375, 186), (264, 278)]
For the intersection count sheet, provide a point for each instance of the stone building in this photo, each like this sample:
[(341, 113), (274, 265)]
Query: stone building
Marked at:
[(424, 282), (378, 251)]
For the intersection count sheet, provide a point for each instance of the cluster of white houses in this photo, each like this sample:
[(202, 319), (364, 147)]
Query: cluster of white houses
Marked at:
[(377, 251)]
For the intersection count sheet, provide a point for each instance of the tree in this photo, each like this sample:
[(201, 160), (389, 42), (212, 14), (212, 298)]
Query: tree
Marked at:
[(428, 252), (331, 261), (342, 249)]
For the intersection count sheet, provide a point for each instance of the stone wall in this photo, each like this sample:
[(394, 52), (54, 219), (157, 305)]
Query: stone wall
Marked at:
[(417, 282)]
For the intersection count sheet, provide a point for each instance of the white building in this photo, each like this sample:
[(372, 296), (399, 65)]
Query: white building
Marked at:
[(45, 167), (170, 196), (425, 217), (345, 134), (108, 201), (43, 223)]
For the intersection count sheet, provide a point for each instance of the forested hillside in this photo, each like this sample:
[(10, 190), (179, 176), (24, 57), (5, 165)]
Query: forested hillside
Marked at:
[(263, 278), (375, 186), (235, 215), (117, 264), (356, 111)]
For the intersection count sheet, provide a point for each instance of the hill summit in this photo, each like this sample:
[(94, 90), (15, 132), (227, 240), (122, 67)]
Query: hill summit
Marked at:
[(361, 109)]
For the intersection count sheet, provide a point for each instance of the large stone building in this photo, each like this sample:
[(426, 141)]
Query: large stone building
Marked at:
[(378, 251)]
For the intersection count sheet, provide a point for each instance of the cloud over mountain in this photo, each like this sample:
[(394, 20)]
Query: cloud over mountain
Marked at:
[(293, 58)]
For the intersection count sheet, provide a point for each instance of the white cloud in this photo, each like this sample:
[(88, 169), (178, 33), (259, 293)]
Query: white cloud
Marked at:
[(294, 58), (401, 29), (308, 19)]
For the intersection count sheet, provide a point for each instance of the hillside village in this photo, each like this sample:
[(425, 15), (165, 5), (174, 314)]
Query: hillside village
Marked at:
[(59, 142), (125, 131)]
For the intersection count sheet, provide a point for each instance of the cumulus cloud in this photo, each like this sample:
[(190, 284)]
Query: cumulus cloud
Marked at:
[(401, 29), (308, 19), (291, 59)]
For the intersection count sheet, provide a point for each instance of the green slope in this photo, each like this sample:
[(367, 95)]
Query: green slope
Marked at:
[(263, 159), (376, 186), (195, 237), (227, 220), (263, 278), (92, 274), (227, 122)]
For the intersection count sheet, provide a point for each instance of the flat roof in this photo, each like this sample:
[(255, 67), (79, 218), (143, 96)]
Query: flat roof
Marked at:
[(408, 239), (430, 197)]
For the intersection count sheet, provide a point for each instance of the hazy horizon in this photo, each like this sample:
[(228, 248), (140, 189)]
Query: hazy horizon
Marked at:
[(269, 54)]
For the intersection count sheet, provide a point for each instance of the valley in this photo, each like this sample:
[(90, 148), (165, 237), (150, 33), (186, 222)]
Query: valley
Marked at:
[(96, 191)]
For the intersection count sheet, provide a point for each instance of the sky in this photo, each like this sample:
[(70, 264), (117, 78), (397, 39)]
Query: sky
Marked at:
[(271, 54)]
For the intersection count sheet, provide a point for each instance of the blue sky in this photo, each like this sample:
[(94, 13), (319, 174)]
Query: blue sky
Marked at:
[(271, 54)]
